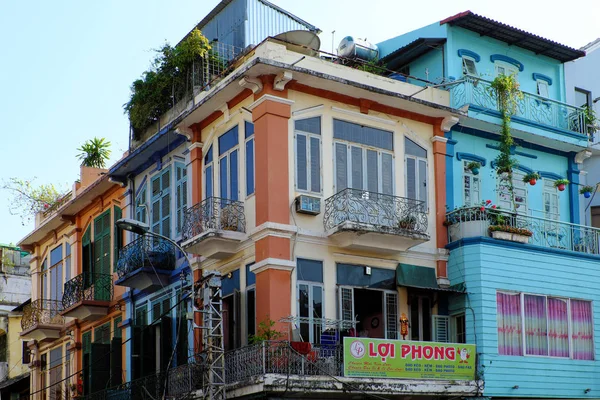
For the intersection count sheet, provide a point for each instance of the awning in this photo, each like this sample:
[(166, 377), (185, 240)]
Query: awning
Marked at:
[(407, 54), (415, 276), (9, 382)]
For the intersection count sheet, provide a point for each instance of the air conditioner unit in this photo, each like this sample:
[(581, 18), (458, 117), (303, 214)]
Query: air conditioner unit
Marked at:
[(308, 205)]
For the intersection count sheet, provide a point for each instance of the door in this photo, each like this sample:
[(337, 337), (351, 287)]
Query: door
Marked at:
[(102, 251)]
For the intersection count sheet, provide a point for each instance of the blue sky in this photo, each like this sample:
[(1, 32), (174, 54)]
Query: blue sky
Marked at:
[(66, 66)]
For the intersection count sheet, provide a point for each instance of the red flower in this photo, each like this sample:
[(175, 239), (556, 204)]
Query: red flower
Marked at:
[(488, 201), (494, 206), (482, 208)]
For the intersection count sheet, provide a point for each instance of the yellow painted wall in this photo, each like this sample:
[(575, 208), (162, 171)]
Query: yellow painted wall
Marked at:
[(15, 365)]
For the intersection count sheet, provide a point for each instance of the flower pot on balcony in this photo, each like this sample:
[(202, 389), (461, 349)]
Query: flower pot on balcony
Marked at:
[(502, 235), (467, 229), (561, 187), (532, 182)]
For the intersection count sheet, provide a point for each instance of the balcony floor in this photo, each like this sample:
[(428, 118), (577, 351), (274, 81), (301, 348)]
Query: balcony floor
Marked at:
[(87, 310), (357, 236)]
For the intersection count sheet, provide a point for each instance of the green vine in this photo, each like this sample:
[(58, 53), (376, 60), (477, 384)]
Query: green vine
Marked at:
[(505, 88)]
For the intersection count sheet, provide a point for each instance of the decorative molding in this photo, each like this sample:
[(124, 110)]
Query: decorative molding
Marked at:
[(507, 59), (187, 132), (273, 263), (118, 181), (439, 139), (469, 53), (541, 77), (253, 84), (270, 97), (582, 156), (272, 229), (225, 110), (471, 157), (359, 115), (550, 175), (195, 145), (308, 110), (448, 123), (281, 80), (520, 153)]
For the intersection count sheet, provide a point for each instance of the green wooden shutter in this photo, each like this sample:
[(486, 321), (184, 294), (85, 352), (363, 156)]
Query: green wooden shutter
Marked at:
[(86, 346), (116, 369), (136, 353), (100, 367), (87, 256), (180, 196), (148, 355), (118, 235)]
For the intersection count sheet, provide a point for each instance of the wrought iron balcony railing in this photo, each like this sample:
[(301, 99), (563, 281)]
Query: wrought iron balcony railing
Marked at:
[(214, 213), (472, 221), (383, 212), (477, 92), (146, 251), (280, 358), (87, 286), (42, 312)]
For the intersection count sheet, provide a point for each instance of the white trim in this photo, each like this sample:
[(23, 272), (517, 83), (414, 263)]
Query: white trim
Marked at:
[(281, 80), (270, 97), (195, 145), (384, 121), (266, 229), (308, 110), (253, 84), (439, 139), (187, 132), (273, 263)]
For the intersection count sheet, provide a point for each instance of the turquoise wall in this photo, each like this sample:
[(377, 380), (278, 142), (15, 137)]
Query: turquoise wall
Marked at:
[(428, 67), (486, 266), (546, 163), (434, 30)]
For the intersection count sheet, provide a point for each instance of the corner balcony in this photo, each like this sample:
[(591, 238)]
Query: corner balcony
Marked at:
[(87, 296), (214, 228), (472, 222), (146, 263), (533, 111), (42, 320), (362, 220)]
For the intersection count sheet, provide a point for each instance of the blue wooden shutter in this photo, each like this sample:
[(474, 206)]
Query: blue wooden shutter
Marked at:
[(301, 162), (315, 164), (341, 167)]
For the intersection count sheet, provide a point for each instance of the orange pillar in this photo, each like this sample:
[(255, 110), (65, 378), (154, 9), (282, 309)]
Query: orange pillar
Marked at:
[(196, 165), (272, 267)]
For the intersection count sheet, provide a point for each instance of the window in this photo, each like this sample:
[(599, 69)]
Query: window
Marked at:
[(181, 190), (141, 208), (506, 69), (161, 203), (141, 315), (366, 162), (544, 326), (160, 307), (249, 134), (583, 98), (416, 171), (250, 301), (26, 352), (55, 374), (232, 312), (310, 298), (470, 186), (459, 328), (54, 274), (519, 191), (542, 88), (420, 318), (208, 173), (550, 194), (469, 66), (228, 164), (308, 154)]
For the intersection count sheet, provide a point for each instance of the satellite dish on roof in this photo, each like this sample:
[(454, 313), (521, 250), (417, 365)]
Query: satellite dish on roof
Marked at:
[(304, 42)]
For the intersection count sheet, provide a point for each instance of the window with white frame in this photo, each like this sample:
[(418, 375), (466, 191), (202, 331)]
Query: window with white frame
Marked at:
[(54, 272), (469, 66), (141, 206), (416, 171), (505, 200), (539, 325), (181, 190), (506, 69), (550, 196), (471, 184), (420, 318), (161, 203), (363, 157), (459, 328), (542, 88), (308, 154), (310, 298), (250, 301), (228, 164), (208, 173), (249, 134)]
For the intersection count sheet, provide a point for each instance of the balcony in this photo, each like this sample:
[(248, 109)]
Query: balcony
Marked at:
[(362, 220), (146, 263), (532, 109), (87, 296), (473, 222), (42, 320), (214, 228)]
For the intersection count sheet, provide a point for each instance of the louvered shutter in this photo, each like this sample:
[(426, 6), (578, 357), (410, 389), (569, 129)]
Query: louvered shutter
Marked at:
[(372, 172), (233, 176), (341, 167), (356, 167), (301, 162), (387, 180), (315, 164), (118, 235), (411, 178), (100, 366), (441, 324), (116, 368)]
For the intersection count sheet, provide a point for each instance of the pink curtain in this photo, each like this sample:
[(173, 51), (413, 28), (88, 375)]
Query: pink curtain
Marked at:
[(583, 332), (558, 327), (536, 328), (509, 324)]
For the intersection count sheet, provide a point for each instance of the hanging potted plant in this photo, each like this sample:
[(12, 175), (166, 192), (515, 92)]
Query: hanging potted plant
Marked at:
[(531, 178), (587, 191), (560, 184), (474, 166)]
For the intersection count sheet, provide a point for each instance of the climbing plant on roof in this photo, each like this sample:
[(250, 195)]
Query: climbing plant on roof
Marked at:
[(168, 80), (27, 199), (506, 90)]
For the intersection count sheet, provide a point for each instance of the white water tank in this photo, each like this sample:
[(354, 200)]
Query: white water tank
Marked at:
[(355, 48)]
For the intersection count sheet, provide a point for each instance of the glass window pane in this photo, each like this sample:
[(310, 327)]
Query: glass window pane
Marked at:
[(301, 162), (233, 175), (414, 149), (310, 125), (303, 301), (228, 140), (536, 333), (582, 330), (510, 341), (310, 270), (250, 276), (208, 182), (315, 164), (558, 327), (363, 134), (208, 157), (248, 129), (423, 181), (56, 255)]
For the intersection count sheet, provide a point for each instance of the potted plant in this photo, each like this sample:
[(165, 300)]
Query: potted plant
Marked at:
[(409, 222), (511, 233), (560, 184), (531, 178), (464, 222), (474, 166), (587, 191)]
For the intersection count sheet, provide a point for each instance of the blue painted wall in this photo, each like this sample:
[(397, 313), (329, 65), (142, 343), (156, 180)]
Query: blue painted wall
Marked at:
[(434, 30), (528, 269)]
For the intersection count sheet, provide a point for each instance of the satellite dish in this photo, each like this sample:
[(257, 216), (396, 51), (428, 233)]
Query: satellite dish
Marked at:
[(304, 42)]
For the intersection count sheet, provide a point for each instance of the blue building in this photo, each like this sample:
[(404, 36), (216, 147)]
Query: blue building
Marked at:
[(531, 306)]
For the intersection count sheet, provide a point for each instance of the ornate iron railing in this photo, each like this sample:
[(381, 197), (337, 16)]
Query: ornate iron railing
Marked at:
[(472, 221), (42, 312), (281, 358), (180, 382), (87, 286), (214, 213), (477, 92), (382, 212), (146, 251)]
